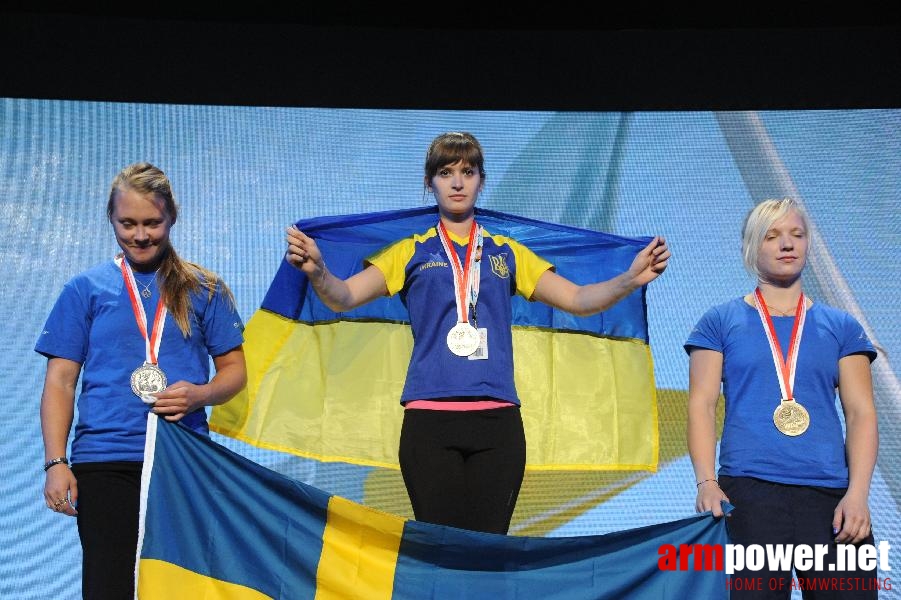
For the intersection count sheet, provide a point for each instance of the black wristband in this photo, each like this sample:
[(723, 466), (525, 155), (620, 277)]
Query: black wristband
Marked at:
[(62, 460)]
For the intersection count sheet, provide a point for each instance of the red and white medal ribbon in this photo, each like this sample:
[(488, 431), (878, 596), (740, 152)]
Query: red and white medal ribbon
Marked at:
[(151, 342), (466, 274), (785, 368), (475, 270)]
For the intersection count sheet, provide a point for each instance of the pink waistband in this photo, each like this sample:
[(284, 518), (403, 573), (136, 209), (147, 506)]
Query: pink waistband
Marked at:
[(453, 405)]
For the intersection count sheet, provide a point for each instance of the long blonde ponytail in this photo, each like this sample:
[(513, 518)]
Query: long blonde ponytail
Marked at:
[(177, 278)]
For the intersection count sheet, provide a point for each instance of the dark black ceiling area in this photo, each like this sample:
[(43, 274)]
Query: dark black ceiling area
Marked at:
[(495, 16), (457, 57)]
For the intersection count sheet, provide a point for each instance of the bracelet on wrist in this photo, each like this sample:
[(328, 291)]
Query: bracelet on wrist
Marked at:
[(62, 460), (698, 485)]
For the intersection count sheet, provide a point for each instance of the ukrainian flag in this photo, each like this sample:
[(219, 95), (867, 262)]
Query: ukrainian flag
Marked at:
[(326, 385), (216, 525)]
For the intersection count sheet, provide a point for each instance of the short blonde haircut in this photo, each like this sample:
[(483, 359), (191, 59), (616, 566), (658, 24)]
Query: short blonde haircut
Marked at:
[(760, 220)]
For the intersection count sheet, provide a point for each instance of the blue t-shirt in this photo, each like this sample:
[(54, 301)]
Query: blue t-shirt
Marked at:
[(93, 324), (751, 445), (418, 268)]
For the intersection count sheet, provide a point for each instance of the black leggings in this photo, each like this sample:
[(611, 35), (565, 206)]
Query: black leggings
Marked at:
[(776, 513), (108, 505), (463, 468)]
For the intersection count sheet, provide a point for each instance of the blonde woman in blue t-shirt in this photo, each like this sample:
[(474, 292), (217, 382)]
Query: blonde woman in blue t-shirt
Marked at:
[(139, 330), (785, 465)]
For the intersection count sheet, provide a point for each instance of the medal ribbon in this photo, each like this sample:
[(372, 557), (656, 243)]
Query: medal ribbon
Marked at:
[(466, 275), (151, 343), (475, 274), (785, 368)]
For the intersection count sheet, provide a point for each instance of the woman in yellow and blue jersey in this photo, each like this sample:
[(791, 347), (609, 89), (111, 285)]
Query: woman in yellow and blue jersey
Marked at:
[(462, 448)]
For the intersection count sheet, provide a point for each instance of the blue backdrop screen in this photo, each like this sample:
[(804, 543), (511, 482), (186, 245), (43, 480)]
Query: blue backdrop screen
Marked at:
[(242, 174)]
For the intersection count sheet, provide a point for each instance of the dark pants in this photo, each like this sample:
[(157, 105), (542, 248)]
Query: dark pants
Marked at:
[(108, 506), (463, 468), (774, 513)]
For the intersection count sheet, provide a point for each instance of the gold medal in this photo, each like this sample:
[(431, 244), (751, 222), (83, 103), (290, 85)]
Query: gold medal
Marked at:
[(791, 418), (147, 379), (463, 339)]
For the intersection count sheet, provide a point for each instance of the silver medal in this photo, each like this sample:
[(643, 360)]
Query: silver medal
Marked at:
[(147, 379), (463, 339)]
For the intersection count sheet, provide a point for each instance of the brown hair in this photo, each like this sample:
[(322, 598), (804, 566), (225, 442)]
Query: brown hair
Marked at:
[(177, 278), (451, 147)]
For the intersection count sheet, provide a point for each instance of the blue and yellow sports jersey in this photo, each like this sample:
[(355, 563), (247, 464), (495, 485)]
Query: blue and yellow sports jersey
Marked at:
[(418, 268)]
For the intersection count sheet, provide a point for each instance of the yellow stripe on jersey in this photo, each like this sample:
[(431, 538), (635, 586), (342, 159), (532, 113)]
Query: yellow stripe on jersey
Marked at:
[(392, 261), (529, 266)]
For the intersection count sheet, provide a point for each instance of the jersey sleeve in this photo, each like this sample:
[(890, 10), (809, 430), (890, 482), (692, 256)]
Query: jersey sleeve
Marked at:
[(223, 329), (855, 339), (392, 261), (66, 331), (706, 334), (529, 268)]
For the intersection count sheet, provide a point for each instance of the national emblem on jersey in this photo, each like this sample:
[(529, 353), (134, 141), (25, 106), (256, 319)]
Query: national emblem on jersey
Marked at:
[(499, 265)]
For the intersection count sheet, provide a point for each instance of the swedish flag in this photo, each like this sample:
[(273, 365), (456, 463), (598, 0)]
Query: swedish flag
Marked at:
[(216, 525)]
